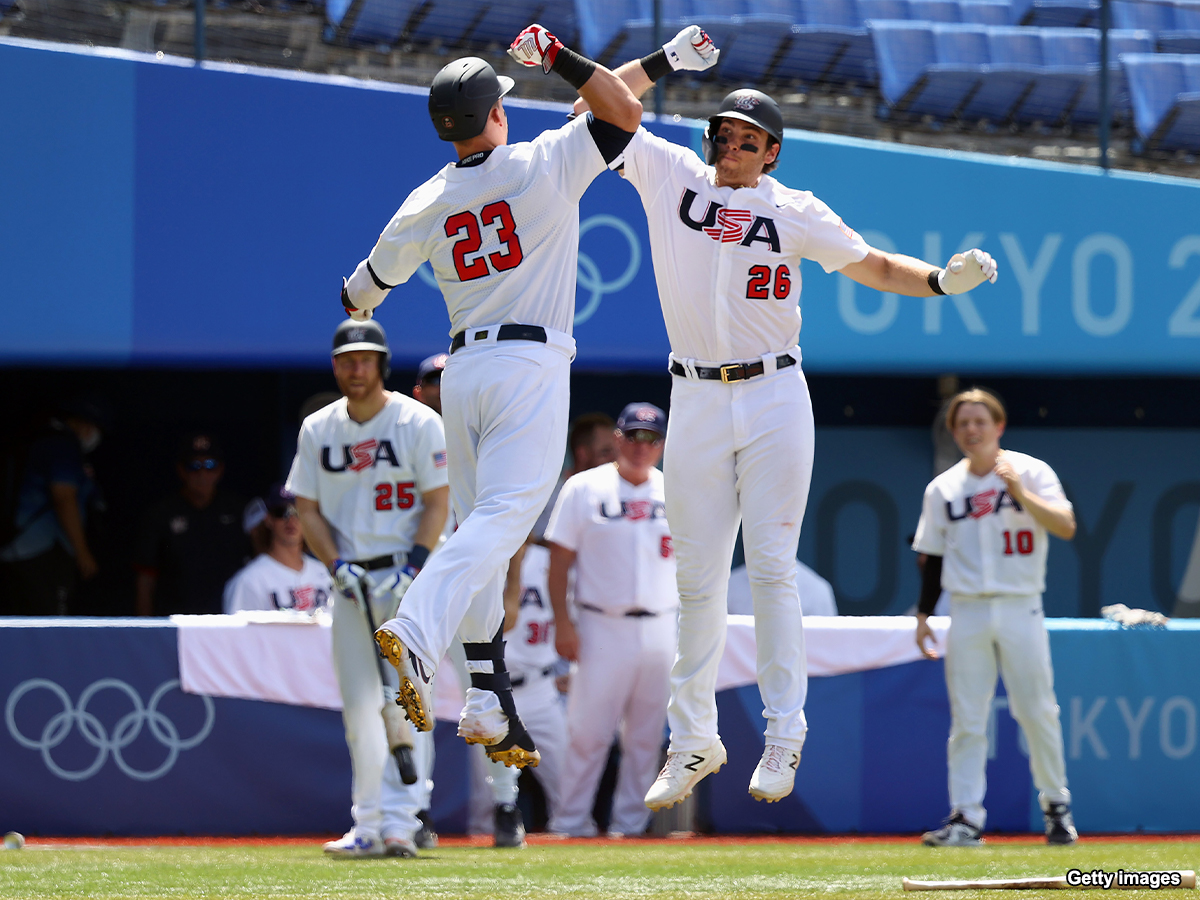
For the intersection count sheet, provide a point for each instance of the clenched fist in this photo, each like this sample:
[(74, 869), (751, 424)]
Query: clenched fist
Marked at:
[(535, 46), (691, 49)]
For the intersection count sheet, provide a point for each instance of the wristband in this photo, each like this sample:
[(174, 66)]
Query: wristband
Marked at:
[(418, 556), (934, 284), (656, 65), (333, 566), (574, 69)]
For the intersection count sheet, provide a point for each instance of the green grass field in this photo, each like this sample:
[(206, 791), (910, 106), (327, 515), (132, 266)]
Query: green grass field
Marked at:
[(693, 868)]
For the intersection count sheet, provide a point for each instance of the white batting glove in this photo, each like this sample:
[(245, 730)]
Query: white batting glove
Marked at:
[(360, 293), (535, 46), (348, 579), (966, 271), (691, 49), (389, 590)]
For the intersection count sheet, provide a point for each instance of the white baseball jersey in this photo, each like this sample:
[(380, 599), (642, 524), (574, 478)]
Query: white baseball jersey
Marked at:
[(619, 532), (500, 236), (988, 542), (529, 644), (727, 261), (266, 583), (368, 477)]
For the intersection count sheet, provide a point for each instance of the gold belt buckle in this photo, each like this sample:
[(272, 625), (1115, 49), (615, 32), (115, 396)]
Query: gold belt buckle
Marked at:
[(726, 370)]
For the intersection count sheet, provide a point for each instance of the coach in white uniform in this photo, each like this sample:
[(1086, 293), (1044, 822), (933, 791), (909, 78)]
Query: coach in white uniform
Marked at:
[(610, 523), (984, 527), (727, 240), (500, 230), (370, 483)]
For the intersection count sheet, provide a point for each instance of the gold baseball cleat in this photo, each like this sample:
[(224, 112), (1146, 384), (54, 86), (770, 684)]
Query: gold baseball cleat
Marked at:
[(416, 682)]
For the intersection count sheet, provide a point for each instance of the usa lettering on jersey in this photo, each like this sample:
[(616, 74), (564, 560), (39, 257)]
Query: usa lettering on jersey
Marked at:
[(981, 504), (729, 226), (305, 598), (363, 455), (635, 510)]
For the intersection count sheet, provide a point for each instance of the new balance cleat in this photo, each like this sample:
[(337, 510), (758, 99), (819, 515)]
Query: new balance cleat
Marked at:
[(957, 832), (1060, 825), (416, 679), (353, 846), (682, 773), (775, 773)]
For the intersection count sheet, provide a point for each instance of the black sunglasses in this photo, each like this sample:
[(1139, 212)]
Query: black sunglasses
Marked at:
[(643, 436), (197, 464), (282, 512)]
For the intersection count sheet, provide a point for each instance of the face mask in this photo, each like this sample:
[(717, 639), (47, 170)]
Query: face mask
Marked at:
[(91, 440)]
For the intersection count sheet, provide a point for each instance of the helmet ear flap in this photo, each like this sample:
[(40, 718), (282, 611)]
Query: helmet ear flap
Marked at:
[(708, 145)]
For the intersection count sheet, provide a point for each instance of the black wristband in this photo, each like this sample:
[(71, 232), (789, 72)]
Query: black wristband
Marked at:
[(656, 65), (418, 556), (574, 69), (933, 282)]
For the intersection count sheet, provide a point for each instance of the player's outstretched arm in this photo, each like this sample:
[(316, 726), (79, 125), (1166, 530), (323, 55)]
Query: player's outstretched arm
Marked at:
[(691, 50), (900, 274), (607, 95)]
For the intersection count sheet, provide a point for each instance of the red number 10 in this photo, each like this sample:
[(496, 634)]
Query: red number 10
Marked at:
[(1024, 542)]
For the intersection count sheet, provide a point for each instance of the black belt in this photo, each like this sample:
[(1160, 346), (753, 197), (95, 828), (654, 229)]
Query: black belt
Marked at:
[(733, 371), (630, 613), (380, 562), (503, 333), (518, 680)]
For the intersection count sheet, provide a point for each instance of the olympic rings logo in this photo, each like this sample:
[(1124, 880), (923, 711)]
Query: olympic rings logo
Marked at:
[(589, 277), (125, 732)]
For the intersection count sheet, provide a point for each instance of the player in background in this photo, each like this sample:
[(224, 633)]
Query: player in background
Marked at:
[(727, 239), (369, 479), (610, 525), (428, 388), (984, 529), (500, 229)]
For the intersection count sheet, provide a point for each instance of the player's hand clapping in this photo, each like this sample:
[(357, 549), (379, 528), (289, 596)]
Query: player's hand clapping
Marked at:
[(692, 49)]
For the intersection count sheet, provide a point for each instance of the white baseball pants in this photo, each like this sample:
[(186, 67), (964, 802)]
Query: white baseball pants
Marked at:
[(621, 686), (381, 804), (542, 713), (743, 449), (1006, 632), (505, 406)]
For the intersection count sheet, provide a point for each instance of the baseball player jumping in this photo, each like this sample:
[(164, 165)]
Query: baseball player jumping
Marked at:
[(984, 527), (370, 483), (727, 240), (500, 228)]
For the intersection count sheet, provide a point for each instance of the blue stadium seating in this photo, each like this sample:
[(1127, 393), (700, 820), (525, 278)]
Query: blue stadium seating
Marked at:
[(829, 41), (1176, 26), (504, 20), (935, 10), (1087, 109), (985, 12), (602, 33), (452, 22), (1062, 14), (1165, 92), (376, 22)]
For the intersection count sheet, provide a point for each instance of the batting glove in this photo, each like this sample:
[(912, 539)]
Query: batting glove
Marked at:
[(691, 49), (348, 579), (535, 46), (390, 589), (966, 271)]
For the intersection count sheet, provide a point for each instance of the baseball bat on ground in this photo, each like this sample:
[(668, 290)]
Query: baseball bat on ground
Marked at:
[(1187, 879), (397, 728)]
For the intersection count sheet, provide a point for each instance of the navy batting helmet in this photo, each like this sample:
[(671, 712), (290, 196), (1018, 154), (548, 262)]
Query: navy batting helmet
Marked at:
[(750, 106), (462, 95), (368, 335)]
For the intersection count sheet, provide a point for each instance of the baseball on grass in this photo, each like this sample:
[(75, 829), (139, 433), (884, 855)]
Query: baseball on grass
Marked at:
[(14, 841)]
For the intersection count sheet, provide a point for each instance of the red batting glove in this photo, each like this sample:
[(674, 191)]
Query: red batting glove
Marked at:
[(535, 46)]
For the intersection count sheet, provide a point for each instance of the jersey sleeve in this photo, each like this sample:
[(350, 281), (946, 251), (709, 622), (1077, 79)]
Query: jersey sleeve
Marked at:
[(565, 520), (400, 248), (830, 241), (931, 530), (1044, 482), (571, 157), (302, 479), (430, 464), (651, 160)]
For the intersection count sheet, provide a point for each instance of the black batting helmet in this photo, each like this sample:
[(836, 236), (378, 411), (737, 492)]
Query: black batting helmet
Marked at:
[(368, 335), (461, 96), (750, 106)]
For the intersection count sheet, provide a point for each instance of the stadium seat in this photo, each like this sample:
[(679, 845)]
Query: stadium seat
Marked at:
[(376, 21), (904, 51), (985, 12), (450, 21), (1184, 35), (1164, 89), (762, 38), (935, 10), (502, 21), (1087, 109), (1016, 57), (1072, 58), (1153, 17), (828, 43), (1062, 13), (883, 9), (601, 26)]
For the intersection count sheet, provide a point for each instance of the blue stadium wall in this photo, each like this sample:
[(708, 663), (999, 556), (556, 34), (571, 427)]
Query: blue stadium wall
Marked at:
[(158, 212)]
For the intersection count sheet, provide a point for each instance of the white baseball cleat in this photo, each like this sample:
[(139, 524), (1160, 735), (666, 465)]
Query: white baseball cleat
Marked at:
[(775, 773), (416, 679), (682, 773), (957, 832), (354, 846), (398, 846), (482, 721)]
